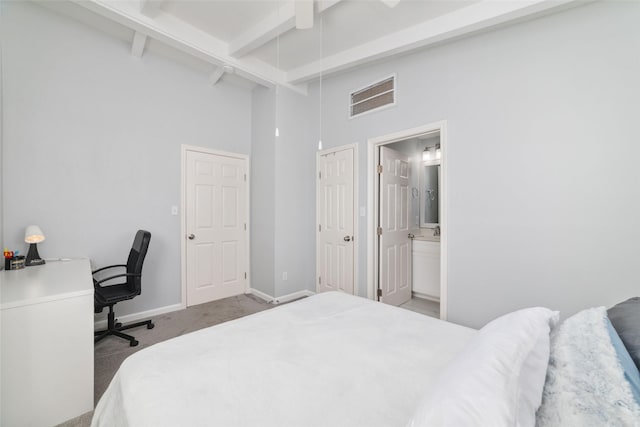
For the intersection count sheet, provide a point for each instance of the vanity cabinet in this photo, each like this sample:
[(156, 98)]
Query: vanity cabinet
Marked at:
[(426, 269)]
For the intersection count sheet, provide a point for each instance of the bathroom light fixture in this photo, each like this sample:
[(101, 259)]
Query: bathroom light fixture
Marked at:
[(432, 153), (33, 235), (426, 154)]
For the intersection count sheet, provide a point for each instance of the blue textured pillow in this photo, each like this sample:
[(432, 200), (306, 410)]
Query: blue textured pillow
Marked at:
[(630, 371), (625, 318)]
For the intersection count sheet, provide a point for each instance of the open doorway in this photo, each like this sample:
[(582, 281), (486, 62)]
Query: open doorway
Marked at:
[(407, 228)]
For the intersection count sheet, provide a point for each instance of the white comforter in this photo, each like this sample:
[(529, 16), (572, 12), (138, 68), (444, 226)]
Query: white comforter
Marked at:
[(328, 360)]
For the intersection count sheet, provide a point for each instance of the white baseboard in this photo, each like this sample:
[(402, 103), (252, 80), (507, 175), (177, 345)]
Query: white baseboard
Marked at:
[(261, 295), (143, 315), (292, 296), (425, 296), (279, 300)]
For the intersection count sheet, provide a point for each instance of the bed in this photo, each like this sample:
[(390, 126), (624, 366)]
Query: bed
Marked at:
[(338, 360)]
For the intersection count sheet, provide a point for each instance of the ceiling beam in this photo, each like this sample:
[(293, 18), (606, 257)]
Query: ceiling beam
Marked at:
[(137, 46), (391, 3), (215, 77), (304, 14), (150, 7), (323, 5), (273, 25), (217, 74), (473, 18), (175, 33)]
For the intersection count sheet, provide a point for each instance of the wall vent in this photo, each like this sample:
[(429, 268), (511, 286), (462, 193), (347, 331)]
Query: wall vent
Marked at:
[(373, 97)]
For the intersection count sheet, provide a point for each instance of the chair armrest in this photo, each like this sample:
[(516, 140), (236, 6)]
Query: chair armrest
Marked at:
[(107, 267), (97, 283)]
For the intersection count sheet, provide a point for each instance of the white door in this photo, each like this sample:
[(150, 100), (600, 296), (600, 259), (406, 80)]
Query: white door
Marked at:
[(335, 201), (395, 246), (216, 211)]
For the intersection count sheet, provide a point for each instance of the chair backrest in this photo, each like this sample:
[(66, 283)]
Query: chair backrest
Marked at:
[(136, 259)]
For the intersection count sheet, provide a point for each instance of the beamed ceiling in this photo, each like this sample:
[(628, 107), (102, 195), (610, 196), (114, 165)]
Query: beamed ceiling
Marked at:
[(291, 43)]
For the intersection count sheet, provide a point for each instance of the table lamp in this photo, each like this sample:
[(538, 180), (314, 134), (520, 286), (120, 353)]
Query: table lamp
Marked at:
[(33, 235)]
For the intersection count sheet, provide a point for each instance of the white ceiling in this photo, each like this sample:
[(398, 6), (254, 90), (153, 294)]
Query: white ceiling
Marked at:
[(258, 41), (350, 24)]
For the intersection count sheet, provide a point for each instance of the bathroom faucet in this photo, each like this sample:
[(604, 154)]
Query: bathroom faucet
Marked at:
[(436, 231)]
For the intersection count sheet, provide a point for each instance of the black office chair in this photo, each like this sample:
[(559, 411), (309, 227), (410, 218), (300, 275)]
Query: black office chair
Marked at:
[(108, 295)]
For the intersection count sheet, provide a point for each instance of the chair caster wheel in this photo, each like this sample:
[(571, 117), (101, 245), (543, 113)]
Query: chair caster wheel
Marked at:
[(151, 326), (133, 343), (118, 324)]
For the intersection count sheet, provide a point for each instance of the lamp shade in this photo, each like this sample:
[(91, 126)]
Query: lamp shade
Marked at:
[(33, 234)]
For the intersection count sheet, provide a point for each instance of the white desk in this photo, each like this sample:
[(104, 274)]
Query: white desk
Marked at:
[(46, 343)]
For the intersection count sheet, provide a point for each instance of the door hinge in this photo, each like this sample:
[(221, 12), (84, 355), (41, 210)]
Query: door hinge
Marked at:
[(320, 175), (319, 280), (319, 227), (379, 293), (379, 231), (245, 177), (379, 169), (245, 275), (245, 226)]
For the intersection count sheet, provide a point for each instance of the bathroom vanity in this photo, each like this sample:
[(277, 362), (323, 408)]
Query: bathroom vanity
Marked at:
[(426, 267)]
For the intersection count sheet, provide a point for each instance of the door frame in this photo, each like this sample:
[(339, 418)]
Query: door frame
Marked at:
[(356, 237), (373, 195), (183, 218)]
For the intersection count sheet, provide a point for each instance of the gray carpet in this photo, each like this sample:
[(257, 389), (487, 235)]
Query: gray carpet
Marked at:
[(111, 351)]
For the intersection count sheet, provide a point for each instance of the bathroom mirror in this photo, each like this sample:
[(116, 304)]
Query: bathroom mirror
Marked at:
[(430, 195)]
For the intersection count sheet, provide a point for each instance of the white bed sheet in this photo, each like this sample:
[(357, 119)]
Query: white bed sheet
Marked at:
[(328, 360)]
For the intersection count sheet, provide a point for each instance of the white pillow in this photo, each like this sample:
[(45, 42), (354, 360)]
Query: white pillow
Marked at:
[(497, 380)]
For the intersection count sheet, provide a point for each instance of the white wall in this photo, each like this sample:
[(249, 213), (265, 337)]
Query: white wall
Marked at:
[(92, 141), (263, 191), (283, 194), (295, 214), (544, 205), (1, 145)]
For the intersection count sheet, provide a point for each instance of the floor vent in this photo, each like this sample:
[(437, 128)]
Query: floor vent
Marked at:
[(373, 97)]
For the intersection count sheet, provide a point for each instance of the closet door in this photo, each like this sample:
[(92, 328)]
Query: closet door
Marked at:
[(216, 226), (335, 233)]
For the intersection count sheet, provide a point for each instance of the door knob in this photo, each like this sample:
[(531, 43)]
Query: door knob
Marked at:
[(191, 236), (347, 238), (411, 236)]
